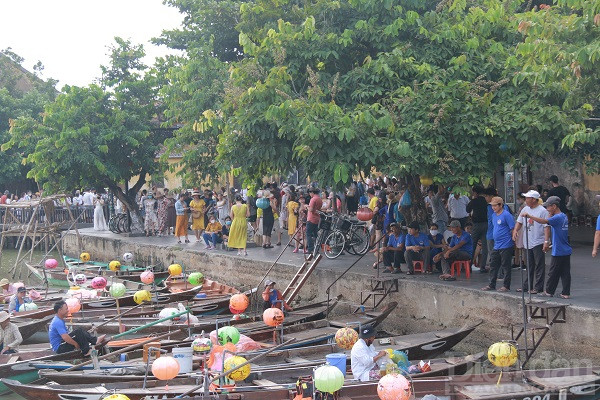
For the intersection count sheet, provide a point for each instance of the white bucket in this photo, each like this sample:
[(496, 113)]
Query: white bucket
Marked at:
[(183, 355)]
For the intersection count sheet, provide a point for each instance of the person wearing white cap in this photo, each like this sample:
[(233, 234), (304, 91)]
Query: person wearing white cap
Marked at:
[(533, 240), (10, 337)]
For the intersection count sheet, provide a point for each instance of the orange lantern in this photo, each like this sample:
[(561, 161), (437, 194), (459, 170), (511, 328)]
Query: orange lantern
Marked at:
[(345, 338), (73, 304), (364, 214), (394, 387), (165, 368), (273, 316), (239, 302)]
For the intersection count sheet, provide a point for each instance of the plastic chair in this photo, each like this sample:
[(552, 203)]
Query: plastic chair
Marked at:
[(457, 265), (418, 266)]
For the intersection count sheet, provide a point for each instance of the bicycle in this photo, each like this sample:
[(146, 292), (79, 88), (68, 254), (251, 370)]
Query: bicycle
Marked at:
[(119, 223), (349, 235)]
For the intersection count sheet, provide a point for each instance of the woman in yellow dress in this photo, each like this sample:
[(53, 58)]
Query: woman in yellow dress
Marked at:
[(292, 211), (238, 234), (197, 206)]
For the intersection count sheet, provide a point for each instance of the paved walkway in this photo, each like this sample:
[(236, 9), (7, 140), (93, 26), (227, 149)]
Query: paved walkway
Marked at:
[(585, 284)]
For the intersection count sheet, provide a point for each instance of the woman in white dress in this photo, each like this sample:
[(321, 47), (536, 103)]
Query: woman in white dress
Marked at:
[(99, 221), (222, 208), (151, 218)]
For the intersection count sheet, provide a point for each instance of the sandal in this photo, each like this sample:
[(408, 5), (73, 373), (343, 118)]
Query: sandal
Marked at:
[(564, 296), (487, 288), (449, 278), (504, 289)]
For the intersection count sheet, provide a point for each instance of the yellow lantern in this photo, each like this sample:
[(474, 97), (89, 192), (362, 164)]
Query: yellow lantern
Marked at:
[(114, 265), (85, 257), (239, 374), (426, 180), (175, 269), (503, 354), (142, 295), (117, 396)]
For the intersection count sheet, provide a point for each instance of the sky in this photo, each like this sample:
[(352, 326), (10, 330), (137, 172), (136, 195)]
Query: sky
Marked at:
[(71, 37)]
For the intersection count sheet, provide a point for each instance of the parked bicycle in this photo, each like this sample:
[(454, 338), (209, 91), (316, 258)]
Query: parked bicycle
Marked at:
[(339, 233), (119, 223)]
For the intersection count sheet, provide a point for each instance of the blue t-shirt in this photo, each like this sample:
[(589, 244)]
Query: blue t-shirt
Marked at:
[(395, 241), (437, 239), (465, 237), (490, 232), (57, 328), (421, 240), (560, 235), (598, 223), (503, 226)]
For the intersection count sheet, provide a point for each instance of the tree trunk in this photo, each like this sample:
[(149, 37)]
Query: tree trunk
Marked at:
[(137, 221), (417, 211)]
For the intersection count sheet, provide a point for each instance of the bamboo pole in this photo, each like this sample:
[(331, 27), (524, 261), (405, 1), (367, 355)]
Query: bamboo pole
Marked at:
[(14, 269), (139, 328)]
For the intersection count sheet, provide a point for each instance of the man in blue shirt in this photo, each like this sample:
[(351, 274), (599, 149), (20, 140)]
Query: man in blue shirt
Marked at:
[(502, 254), (437, 242), (560, 266), (461, 249), (63, 342), (393, 253), (417, 248)]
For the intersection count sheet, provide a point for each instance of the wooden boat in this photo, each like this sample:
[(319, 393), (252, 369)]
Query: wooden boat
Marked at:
[(127, 301), (552, 384), (179, 283), (27, 327)]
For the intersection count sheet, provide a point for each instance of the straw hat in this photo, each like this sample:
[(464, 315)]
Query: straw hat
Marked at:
[(4, 281), (4, 316)]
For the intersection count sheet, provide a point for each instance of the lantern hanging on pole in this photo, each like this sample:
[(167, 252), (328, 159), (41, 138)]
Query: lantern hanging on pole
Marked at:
[(147, 277), (239, 302), (328, 379), (175, 269), (165, 368)]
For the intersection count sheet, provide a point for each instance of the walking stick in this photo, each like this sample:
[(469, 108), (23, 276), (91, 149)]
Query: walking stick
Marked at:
[(523, 298)]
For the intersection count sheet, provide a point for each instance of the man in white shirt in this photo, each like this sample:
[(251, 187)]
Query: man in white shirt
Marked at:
[(457, 205), (537, 234), (88, 198), (363, 357)]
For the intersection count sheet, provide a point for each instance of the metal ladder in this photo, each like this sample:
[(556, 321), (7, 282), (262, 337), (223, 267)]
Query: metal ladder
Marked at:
[(381, 287)]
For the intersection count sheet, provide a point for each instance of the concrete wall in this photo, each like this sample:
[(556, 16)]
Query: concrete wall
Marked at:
[(423, 306)]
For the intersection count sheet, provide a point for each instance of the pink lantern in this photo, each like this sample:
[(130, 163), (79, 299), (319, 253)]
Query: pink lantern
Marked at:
[(165, 368), (147, 277), (51, 263), (34, 295), (394, 387), (99, 282), (73, 304)]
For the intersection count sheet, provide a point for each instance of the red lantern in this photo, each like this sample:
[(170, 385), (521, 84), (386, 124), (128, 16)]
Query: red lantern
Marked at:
[(165, 368), (273, 316), (364, 214), (239, 302)]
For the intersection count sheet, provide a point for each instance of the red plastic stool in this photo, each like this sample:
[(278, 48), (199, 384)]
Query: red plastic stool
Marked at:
[(418, 266), (457, 265)]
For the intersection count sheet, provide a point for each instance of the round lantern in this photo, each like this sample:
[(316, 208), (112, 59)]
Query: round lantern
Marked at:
[(273, 316), (426, 181), (51, 263), (345, 338), (195, 278), (73, 304), (85, 257), (364, 214), (239, 374), (175, 269), (328, 379), (234, 311), (28, 307), (117, 290), (128, 257), (34, 295), (80, 279), (502, 354), (99, 282), (165, 368), (116, 396), (239, 302), (202, 345), (228, 334), (142, 295), (114, 265), (393, 387), (147, 277), (262, 203)]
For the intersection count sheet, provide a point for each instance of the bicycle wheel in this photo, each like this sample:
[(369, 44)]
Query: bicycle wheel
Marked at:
[(123, 225), (318, 242), (112, 225), (360, 240), (334, 244)]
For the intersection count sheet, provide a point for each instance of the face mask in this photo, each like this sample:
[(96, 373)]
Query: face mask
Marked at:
[(212, 221), (433, 232), (227, 223)]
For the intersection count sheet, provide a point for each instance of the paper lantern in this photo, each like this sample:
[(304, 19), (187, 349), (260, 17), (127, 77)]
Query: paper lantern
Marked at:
[(73, 304), (426, 181), (239, 374), (364, 214), (34, 295), (51, 263), (117, 290), (273, 316), (262, 203), (502, 354), (195, 278), (147, 277), (175, 269), (228, 334), (142, 295), (114, 265), (328, 379), (80, 279), (345, 338), (99, 282), (239, 302), (85, 257), (165, 368), (128, 257), (394, 387), (202, 345), (28, 307), (234, 311), (116, 396)]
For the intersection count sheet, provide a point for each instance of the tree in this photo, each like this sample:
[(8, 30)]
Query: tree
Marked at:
[(98, 136)]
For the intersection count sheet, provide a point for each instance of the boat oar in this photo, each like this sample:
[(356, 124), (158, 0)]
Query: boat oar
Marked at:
[(139, 328), (224, 374), (126, 349), (117, 316), (121, 326)]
